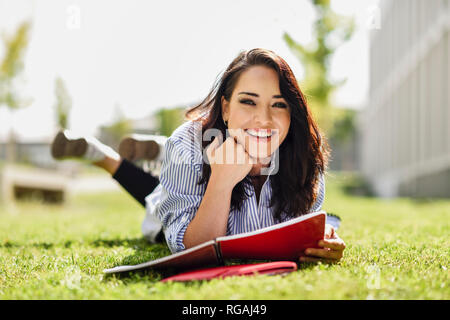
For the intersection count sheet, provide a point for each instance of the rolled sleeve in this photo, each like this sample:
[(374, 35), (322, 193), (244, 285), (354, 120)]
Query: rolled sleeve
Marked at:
[(317, 206), (180, 194)]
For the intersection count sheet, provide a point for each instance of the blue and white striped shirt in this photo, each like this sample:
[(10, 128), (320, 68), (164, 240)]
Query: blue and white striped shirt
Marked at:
[(177, 198)]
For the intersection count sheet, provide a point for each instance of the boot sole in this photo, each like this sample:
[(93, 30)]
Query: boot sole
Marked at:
[(65, 148), (132, 149)]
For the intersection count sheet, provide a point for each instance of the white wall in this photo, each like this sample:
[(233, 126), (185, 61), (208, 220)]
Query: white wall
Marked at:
[(405, 126)]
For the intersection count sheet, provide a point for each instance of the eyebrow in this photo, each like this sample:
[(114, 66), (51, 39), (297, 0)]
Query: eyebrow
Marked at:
[(257, 95)]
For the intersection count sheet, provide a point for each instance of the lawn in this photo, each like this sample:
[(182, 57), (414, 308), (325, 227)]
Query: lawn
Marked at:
[(396, 249)]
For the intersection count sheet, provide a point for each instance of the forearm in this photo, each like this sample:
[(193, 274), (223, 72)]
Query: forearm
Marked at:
[(211, 218)]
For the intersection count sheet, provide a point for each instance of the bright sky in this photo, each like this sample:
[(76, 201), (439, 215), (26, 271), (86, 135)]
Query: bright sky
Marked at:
[(142, 56)]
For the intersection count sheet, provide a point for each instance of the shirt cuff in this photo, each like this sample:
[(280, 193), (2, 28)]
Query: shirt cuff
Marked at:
[(175, 237)]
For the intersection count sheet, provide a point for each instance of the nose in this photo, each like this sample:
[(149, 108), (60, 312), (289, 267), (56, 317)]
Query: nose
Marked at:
[(263, 117)]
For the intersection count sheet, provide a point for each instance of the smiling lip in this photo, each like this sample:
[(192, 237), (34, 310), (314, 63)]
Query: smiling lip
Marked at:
[(258, 138)]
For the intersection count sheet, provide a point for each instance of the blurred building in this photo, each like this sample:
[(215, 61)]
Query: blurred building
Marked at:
[(31, 151), (405, 132), (111, 135)]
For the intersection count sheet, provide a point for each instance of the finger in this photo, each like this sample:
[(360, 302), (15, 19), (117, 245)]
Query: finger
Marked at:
[(334, 244), (242, 155), (227, 151), (309, 259), (238, 151), (239, 145), (252, 160), (324, 253), (213, 145), (329, 231), (315, 260), (210, 150), (236, 140)]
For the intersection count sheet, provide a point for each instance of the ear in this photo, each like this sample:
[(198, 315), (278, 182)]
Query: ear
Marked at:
[(225, 108)]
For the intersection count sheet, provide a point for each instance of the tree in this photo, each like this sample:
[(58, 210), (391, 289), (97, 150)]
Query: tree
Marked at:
[(11, 67), (330, 31), (63, 104), (120, 127), (169, 120)]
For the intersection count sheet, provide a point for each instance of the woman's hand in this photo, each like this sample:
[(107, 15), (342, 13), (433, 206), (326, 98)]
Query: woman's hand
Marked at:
[(333, 248), (229, 161)]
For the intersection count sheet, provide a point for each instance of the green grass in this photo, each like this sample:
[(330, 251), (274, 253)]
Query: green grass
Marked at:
[(396, 249)]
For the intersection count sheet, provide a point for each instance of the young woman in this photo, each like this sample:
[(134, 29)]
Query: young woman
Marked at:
[(250, 156)]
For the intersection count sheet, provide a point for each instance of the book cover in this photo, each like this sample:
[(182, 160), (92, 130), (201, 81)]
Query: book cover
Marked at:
[(198, 256), (269, 268), (283, 241)]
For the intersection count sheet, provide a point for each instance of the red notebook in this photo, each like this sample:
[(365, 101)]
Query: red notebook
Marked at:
[(284, 241), (269, 268)]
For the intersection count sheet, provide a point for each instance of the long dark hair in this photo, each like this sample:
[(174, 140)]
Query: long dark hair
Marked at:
[(303, 155)]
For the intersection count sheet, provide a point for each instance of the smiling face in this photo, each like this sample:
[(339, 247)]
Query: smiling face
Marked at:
[(258, 116)]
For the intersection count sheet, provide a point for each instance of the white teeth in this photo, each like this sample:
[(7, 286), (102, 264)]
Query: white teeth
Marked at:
[(260, 133)]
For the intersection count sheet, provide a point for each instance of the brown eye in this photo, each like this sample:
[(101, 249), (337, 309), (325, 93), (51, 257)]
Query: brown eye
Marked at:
[(246, 101), (280, 105)]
